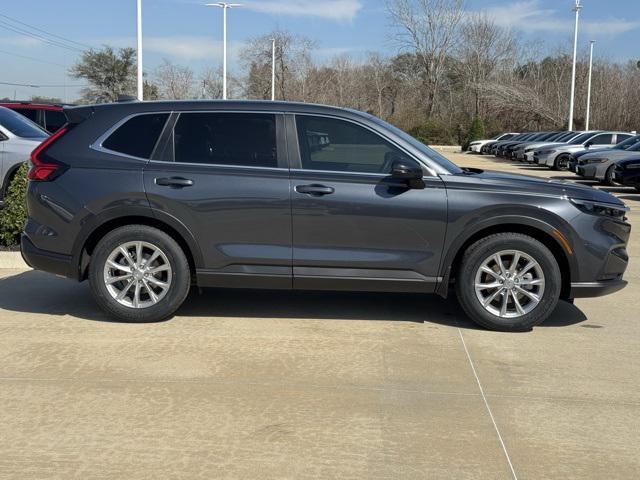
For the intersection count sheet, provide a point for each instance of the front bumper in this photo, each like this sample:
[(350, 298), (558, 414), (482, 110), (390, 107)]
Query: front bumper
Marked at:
[(51, 262), (596, 289), (587, 171)]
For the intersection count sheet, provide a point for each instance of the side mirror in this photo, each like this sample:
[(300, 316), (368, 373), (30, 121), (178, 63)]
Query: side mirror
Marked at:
[(409, 172), (3, 137), (588, 144)]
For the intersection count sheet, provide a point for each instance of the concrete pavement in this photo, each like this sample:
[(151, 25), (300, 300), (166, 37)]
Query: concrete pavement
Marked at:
[(254, 384)]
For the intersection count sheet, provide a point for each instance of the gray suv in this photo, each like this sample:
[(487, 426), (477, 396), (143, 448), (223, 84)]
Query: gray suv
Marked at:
[(146, 200)]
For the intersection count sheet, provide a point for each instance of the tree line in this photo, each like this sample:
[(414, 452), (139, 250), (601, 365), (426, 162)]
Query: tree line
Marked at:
[(450, 70)]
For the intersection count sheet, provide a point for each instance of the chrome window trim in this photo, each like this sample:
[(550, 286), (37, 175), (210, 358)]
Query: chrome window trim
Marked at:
[(220, 165), (431, 171), (343, 172), (97, 144)]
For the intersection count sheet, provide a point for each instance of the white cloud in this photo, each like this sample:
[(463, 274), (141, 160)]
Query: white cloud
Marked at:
[(179, 47), (339, 10), (529, 16)]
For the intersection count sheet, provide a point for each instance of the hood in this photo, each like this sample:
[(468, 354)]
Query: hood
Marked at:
[(544, 146), (539, 144), (608, 154), (513, 182)]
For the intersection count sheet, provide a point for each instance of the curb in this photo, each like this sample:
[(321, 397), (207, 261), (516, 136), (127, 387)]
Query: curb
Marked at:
[(12, 260)]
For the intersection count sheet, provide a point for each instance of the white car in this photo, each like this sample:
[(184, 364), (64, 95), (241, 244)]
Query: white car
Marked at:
[(476, 145), (557, 156), (19, 136)]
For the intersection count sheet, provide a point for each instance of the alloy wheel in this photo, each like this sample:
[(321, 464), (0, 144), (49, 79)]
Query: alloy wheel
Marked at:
[(137, 274), (509, 284)]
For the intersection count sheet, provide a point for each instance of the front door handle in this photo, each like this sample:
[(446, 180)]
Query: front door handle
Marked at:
[(315, 190), (174, 182)]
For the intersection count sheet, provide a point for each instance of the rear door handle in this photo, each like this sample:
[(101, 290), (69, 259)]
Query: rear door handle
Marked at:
[(174, 182), (315, 190)]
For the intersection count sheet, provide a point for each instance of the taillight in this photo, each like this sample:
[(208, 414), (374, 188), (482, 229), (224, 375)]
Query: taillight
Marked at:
[(44, 169)]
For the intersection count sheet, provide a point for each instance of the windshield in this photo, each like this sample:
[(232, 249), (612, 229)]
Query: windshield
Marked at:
[(580, 139), (20, 126), (635, 147), (625, 144), (440, 159), (565, 136)]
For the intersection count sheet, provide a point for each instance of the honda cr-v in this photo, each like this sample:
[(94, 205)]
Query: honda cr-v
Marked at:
[(147, 199)]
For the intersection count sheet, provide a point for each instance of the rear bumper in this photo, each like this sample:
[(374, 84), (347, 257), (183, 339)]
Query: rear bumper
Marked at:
[(596, 289), (51, 262)]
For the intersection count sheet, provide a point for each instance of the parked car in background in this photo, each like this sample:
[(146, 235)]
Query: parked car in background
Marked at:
[(476, 145), (599, 165), (524, 152), (627, 172), (510, 151), (144, 199), (48, 116), (496, 147), (556, 157), (18, 138)]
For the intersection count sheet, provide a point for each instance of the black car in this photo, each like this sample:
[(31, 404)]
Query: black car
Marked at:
[(627, 172), (147, 199)]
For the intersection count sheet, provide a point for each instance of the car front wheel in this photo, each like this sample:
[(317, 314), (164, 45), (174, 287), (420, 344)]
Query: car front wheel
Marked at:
[(561, 162), (508, 282), (139, 274)]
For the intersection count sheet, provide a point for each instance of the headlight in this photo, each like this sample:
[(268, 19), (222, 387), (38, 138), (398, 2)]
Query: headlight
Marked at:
[(603, 209), (632, 166), (527, 150), (546, 152), (594, 160)]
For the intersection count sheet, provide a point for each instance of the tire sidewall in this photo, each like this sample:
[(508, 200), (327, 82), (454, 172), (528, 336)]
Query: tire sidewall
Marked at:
[(471, 264), (180, 274)]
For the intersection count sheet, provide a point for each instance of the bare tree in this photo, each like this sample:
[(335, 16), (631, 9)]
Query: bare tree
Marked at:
[(485, 51), (211, 83), (174, 81), (292, 64), (428, 28)]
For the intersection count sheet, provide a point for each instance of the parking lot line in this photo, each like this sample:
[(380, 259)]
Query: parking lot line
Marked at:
[(486, 404)]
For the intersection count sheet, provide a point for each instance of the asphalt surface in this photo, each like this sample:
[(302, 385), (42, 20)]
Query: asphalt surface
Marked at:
[(249, 384)]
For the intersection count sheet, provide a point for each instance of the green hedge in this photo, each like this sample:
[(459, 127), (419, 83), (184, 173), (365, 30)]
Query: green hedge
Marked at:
[(14, 212)]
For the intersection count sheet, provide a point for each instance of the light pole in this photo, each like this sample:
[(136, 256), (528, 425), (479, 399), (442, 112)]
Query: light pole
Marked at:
[(139, 54), (224, 6), (586, 122), (576, 9), (273, 69)]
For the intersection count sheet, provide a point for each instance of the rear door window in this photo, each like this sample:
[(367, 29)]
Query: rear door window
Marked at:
[(54, 119), (30, 113), (234, 139), (604, 139), (138, 135)]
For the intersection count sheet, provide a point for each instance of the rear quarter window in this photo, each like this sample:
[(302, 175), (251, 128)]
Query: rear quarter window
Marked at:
[(138, 135)]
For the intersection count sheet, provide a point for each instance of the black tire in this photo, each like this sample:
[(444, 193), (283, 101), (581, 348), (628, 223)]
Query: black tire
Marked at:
[(180, 274), (477, 253), (561, 162), (608, 177)]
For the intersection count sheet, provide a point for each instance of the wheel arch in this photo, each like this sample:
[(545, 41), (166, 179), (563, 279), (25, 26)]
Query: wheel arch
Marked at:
[(549, 236), (105, 223)]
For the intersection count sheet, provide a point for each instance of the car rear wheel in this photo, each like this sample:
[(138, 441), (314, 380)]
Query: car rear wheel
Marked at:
[(138, 273), (508, 282)]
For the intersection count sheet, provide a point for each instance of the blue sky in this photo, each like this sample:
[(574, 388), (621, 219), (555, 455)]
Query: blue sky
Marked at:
[(186, 32)]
